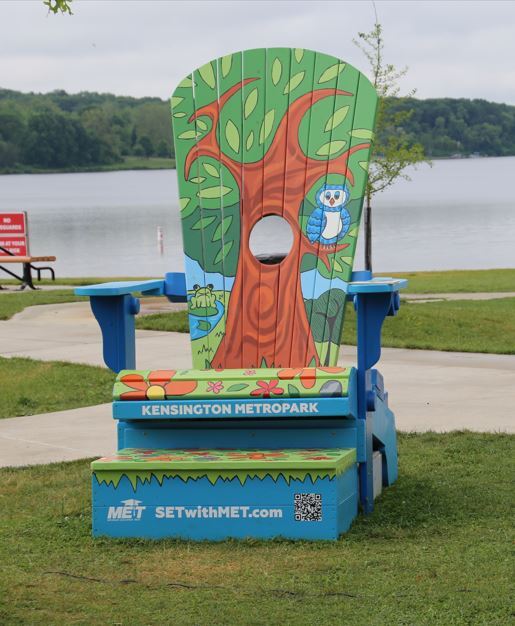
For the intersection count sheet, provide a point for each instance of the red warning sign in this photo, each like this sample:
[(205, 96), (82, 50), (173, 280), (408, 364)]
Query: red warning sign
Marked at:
[(13, 234)]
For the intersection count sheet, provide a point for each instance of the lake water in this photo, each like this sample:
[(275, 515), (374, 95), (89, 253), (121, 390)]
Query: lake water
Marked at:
[(459, 214)]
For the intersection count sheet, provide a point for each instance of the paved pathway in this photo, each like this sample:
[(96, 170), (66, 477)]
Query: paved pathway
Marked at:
[(432, 297), (428, 390)]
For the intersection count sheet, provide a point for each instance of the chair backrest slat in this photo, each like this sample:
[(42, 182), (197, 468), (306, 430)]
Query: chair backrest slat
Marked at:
[(283, 132)]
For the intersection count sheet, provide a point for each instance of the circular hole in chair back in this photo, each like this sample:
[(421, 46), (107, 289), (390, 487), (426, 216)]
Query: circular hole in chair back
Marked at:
[(271, 239)]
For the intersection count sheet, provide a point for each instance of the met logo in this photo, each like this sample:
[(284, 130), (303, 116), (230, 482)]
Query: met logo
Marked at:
[(131, 510)]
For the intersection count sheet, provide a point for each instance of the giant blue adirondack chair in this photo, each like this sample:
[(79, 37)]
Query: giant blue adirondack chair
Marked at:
[(266, 436)]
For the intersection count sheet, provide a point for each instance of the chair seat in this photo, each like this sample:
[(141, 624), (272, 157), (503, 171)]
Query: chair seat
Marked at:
[(309, 382)]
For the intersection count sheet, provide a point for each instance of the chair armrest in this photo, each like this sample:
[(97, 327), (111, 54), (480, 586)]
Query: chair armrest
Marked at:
[(363, 282), (175, 287), (376, 285), (123, 288), (374, 299), (114, 309)]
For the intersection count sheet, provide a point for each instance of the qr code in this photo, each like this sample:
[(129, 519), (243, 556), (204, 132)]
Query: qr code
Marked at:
[(308, 507)]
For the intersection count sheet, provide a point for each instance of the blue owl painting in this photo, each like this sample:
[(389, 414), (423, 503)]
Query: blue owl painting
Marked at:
[(330, 221)]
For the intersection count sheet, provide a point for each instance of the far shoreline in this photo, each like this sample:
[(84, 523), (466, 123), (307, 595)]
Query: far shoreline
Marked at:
[(129, 164), (162, 163)]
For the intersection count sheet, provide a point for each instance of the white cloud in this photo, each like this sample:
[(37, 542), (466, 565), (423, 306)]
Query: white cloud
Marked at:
[(453, 49)]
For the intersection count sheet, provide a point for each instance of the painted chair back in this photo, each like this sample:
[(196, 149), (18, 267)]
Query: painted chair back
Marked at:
[(283, 132)]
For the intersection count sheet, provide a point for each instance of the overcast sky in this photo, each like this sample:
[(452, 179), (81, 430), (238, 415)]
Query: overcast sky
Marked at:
[(143, 48)]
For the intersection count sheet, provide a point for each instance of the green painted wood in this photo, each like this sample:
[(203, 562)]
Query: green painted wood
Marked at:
[(361, 136), (257, 133), (230, 383), (326, 74), (255, 120), (330, 305), (336, 459)]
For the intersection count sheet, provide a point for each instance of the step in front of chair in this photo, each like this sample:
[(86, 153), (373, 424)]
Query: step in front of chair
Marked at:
[(217, 494)]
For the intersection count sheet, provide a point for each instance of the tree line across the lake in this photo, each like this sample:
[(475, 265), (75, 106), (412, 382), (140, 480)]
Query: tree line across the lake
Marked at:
[(73, 131)]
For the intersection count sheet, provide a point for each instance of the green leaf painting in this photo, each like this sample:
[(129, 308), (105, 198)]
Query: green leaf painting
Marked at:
[(266, 126), (226, 64), (214, 192), (337, 266), (223, 252), (208, 75), (277, 70), (294, 82), (203, 222), (232, 134), (293, 391), (361, 133), (331, 73), (250, 102), (211, 170), (185, 82), (237, 387), (337, 118), (188, 134), (222, 228), (331, 147)]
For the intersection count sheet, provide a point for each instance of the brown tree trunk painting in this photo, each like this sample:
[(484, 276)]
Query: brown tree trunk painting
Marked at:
[(262, 328)]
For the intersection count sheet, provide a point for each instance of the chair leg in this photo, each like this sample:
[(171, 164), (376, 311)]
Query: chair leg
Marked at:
[(366, 471)]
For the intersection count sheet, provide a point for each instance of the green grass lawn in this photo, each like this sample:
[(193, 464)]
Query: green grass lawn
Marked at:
[(30, 387), (77, 281), (13, 303), (435, 551), (456, 326), (459, 281), (452, 281)]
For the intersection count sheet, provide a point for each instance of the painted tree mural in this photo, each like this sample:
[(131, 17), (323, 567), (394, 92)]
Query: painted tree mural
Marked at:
[(262, 133)]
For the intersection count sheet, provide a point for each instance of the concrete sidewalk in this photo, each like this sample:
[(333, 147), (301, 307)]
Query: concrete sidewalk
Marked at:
[(60, 436), (436, 297), (429, 390)]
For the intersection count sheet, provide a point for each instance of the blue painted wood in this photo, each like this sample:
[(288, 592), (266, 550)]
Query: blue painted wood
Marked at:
[(122, 288), (198, 510), (226, 409), (372, 307), (175, 287), (115, 316), (385, 440), (272, 434), (375, 285)]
